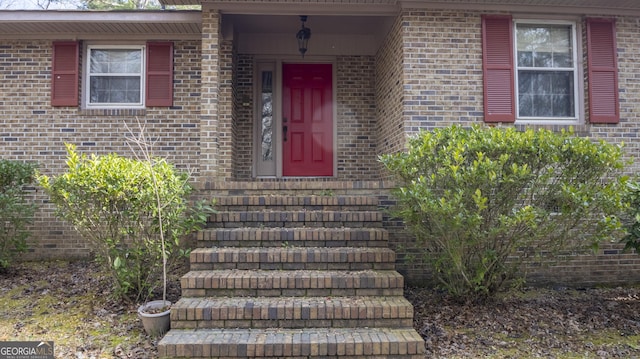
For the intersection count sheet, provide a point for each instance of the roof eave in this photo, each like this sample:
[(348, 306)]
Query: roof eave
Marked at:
[(30, 24), (139, 16)]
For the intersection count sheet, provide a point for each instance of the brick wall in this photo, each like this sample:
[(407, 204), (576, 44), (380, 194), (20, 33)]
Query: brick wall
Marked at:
[(245, 117), (227, 130), (356, 120), (443, 86), (422, 77), (443, 75), (210, 67), (31, 130), (390, 78)]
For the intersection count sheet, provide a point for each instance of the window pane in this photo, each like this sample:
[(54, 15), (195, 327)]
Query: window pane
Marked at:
[(544, 45), (114, 89), (99, 62), (545, 94), (115, 61)]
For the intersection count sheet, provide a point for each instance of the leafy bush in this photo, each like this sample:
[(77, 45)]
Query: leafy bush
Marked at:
[(632, 238), (15, 211), (481, 200), (113, 202)]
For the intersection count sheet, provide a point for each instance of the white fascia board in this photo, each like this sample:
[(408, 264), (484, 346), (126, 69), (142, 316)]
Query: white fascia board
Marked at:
[(84, 16)]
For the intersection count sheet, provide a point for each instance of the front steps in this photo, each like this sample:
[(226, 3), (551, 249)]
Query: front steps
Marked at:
[(293, 276)]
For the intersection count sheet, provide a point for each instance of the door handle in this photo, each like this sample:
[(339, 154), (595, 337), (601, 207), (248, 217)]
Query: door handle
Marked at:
[(284, 133)]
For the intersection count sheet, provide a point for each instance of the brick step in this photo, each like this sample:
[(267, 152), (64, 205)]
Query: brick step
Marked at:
[(290, 203), (291, 219), (345, 343), (292, 312), (297, 187), (290, 258), (299, 237), (294, 283)]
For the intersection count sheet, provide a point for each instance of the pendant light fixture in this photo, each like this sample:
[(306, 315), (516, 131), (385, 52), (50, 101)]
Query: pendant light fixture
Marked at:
[(303, 36)]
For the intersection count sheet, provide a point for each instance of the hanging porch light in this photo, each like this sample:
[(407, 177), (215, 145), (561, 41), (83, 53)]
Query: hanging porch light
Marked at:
[(303, 36)]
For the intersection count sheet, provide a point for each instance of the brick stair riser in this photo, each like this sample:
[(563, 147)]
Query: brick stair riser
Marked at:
[(291, 324), (293, 266), (291, 280), (297, 208), (321, 202), (286, 258), (295, 224), (252, 292), (204, 242), (284, 343), (288, 219), (296, 216), (291, 313), (350, 237)]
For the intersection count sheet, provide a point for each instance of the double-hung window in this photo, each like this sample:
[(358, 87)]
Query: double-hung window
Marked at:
[(115, 76), (546, 71), (532, 73)]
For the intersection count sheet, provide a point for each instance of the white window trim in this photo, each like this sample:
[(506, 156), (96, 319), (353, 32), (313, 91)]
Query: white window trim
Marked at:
[(577, 75), (87, 78)]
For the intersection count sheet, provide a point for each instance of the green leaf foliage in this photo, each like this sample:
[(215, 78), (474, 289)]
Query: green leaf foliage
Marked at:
[(112, 201), (481, 200), (16, 212), (632, 238)]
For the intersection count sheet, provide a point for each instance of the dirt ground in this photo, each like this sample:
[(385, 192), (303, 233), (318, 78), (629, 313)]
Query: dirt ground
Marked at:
[(532, 323), (69, 303)]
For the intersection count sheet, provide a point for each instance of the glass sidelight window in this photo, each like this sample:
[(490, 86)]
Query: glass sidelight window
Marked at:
[(265, 120)]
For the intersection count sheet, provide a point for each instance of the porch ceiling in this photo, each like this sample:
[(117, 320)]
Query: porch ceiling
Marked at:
[(331, 34), (290, 24), (60, 24)]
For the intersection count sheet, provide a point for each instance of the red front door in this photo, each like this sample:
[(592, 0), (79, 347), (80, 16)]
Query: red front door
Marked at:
[(307, 120)]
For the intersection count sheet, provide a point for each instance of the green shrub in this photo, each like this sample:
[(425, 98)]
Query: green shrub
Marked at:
[(15, 211), (481, 200), (113, 202), (632, 225)]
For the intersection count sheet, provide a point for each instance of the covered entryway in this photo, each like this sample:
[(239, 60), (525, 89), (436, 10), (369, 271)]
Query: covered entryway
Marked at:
[(294, 116)]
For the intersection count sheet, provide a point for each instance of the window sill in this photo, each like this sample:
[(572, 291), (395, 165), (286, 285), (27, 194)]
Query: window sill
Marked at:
[(125, 112)]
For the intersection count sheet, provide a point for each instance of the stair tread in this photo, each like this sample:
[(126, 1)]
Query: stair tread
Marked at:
[(278, 342), (258, 273), (306, 302)]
